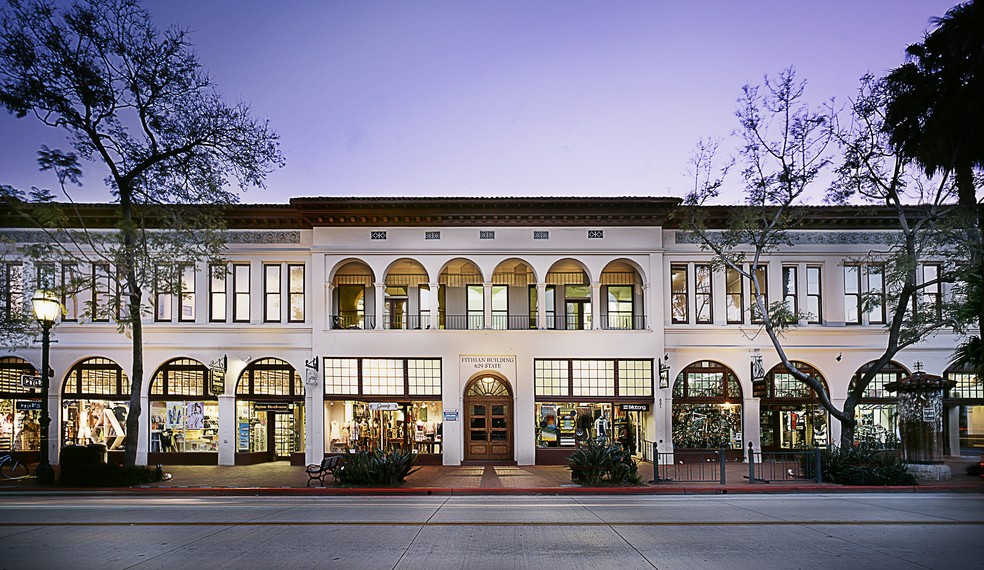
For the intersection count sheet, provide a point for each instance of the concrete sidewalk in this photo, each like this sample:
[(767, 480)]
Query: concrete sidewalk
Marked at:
[(283, 479)]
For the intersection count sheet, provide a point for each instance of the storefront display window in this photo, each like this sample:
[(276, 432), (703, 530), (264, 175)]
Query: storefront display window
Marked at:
[(184, 416), (877, 410), (566, 424), (707, 409), (353, 424), (20, 408), (400, 404), (96, 401), (968, 397), (791, 415), (579, 400)]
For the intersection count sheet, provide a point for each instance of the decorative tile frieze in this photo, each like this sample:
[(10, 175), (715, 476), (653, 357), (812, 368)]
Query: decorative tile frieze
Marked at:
[(811, 238)]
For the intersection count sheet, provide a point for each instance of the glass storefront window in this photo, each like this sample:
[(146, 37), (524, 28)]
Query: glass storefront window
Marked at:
[(565, 424), (706, 413), (588, 379), (877, 425), (184, 426), (20, 408), (95, 421), (706, 426), (793, 426), (20, 427), (353, 424), (877, 412), (96, 403)]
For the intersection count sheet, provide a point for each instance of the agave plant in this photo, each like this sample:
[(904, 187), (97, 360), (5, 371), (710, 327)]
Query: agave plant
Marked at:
[(377, 467), (593, 464)]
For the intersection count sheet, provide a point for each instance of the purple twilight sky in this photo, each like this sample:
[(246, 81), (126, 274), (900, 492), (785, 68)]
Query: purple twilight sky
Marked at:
[(505, 98)]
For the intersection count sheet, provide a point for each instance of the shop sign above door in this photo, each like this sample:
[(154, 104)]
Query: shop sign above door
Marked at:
[(273, 406), (385, 406)]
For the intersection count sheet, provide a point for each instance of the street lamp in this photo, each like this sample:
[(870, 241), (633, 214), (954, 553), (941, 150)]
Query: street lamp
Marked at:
[(46, 310)]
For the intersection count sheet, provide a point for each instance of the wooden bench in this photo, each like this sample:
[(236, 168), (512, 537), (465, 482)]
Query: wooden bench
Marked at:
[(317, 472)]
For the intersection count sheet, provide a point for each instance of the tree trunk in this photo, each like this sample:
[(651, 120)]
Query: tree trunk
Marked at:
[(134, 296), (848, 428), (136, 377)]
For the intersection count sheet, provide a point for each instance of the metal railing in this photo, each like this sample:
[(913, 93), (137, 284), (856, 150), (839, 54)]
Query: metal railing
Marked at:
[(769, 466), (407, 322), (362, 321), (352, 320), (686, 466), (623, 321), (710, 465)]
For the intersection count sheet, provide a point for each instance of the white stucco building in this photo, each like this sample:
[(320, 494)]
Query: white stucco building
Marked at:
[(473, 329)]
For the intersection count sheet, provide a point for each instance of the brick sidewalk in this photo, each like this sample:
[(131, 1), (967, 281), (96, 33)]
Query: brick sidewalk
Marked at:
[(487, 478)]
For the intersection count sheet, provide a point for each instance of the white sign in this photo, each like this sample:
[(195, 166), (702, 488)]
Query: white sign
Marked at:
[(386, 406), (929, 414), (488, 362), (28, 381), (450, 415)]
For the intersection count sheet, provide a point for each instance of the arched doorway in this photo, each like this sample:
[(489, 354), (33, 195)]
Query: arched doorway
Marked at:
[(269, 413), (489, 417)]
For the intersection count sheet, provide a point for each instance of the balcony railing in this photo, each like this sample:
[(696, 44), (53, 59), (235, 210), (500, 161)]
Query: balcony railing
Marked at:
[(361, 321), (407, 322), (623, 321), (353, 320)]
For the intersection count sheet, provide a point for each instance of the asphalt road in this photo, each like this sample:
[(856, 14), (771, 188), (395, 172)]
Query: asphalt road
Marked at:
[(867, 531)]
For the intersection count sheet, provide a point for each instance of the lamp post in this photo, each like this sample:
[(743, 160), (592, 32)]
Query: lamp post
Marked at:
[(46, 310)]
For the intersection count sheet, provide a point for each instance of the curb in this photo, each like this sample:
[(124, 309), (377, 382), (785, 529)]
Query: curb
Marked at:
[(498, 491)]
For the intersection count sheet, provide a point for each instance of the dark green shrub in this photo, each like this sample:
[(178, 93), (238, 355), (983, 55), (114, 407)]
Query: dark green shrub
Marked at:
[(84, 466), (859, 465), (377, 468), (593, 464), (107, 475), (75, 455)]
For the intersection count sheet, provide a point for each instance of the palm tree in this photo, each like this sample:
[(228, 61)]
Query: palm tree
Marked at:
[(936, 116)]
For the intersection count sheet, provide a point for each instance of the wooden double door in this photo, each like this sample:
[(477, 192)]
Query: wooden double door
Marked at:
[(489, 422)]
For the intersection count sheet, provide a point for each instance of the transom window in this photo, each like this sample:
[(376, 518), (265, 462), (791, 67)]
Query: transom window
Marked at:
[(587, 378), (487, 387), (11, 370), (270, 377), (97, 376), (382, 376), (891, 372), (782, 384), (707, 381), (181, 377)]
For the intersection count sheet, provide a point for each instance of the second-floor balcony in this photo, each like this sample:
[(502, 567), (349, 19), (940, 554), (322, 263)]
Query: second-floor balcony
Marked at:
[(462, 297)]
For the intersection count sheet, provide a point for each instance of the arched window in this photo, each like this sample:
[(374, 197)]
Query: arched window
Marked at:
[(97, 377), (707, 407), (96, 401), (184, 415), (877, 411), (487, 387), (791, 415), (20, 427)]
